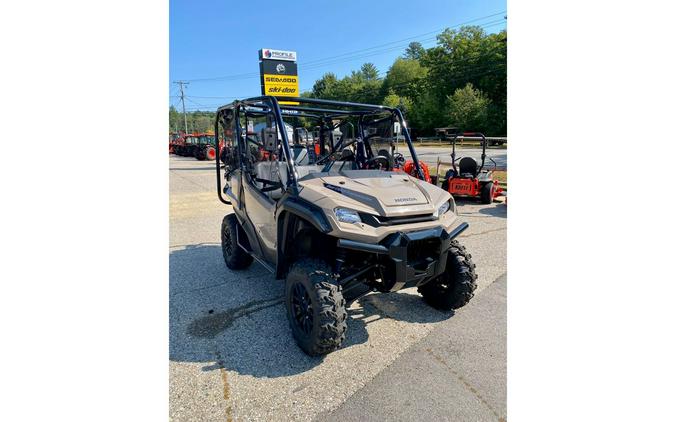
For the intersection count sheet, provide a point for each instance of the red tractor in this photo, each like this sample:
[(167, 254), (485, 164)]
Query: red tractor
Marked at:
[(469, 180), (185, 145), (205, 148), (173, 141)]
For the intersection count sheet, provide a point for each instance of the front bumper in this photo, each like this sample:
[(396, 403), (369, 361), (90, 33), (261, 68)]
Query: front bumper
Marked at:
[(414, 257)]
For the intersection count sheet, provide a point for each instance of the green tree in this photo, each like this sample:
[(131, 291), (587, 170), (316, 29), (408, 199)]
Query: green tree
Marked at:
[(325, 86), (360, 86), (415, 51), (405, 77), (462, 81), (369, 71), (468, 109), (393, 100), (175, 120), (470, 55), (425, 114)]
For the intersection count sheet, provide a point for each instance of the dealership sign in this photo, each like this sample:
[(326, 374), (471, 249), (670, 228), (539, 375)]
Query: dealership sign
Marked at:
[(267, 54), (279, 74)]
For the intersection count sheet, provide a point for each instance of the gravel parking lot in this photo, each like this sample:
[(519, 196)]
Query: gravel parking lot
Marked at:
[(232, 355)]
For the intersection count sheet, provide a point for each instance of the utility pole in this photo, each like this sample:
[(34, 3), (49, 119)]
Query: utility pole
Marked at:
[(182, 100)]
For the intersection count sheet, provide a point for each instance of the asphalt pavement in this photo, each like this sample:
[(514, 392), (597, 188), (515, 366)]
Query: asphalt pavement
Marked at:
[(232, 356), (453, 374)]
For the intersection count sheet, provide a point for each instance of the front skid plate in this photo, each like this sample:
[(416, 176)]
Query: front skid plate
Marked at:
[(396, 246)]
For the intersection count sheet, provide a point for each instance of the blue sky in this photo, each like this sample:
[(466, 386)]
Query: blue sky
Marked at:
[(212, 39)]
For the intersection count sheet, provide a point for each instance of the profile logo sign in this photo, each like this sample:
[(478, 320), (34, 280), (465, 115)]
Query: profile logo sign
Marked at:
[(269, 54), (279, 73)]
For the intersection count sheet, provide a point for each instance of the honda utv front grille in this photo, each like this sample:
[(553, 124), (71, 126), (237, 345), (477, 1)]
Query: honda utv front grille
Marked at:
[(378, 221), (421, 252)]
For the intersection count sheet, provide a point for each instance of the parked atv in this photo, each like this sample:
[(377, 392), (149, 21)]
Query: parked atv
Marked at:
[(330, 216)]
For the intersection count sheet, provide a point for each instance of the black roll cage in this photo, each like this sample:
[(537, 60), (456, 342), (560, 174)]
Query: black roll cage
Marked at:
[(322, 110)]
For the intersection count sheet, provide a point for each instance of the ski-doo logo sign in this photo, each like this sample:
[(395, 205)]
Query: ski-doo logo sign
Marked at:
[(279, 74), (268, 54)]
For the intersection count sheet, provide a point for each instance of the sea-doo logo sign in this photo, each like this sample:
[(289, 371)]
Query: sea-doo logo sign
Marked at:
[(279, 55), (404, 199), (279, 74), (281, 80)]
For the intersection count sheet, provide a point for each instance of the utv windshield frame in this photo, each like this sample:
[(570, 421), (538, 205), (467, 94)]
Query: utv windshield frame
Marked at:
[(306, 107)]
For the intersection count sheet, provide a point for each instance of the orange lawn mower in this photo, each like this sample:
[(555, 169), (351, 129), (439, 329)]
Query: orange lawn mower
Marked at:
[(467, 179)]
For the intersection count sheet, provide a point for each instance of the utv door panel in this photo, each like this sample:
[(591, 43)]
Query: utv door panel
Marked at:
[(260, 209), (235, 186)]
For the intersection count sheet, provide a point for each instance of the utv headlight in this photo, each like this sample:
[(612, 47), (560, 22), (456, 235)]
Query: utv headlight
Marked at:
[(442, 209), (347, 216)]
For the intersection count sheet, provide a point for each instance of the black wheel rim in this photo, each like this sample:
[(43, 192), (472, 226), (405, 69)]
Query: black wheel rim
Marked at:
[(301, 307), (227, 242)]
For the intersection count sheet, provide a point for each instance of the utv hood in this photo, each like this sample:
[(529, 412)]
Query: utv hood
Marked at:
[(382, 193), (396, 190)]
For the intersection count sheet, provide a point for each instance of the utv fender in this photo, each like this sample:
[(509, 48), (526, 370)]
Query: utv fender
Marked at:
[(307, 211), (294, 216)]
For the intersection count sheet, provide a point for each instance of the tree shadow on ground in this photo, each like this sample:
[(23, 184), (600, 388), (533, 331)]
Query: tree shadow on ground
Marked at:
[(494, 210), (237, 320)]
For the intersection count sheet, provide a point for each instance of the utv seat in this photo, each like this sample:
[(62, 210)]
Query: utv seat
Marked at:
[(347, 155), (468, 167), (277, 172), (300, 156), (308, 169), (271, 171)]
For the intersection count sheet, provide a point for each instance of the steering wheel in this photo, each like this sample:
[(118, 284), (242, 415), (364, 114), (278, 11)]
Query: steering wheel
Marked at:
[(399, 159), (379, 161)]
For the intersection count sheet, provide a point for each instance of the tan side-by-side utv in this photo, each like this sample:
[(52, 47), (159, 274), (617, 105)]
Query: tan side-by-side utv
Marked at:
[(335, 215)]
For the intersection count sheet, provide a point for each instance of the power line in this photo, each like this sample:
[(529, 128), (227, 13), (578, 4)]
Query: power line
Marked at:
[(314, 64), (406, 39), (378, 52)]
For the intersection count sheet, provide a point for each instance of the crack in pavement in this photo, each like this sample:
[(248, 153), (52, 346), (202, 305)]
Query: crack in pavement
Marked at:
[(226, 385), (191, 181), (466, 383)]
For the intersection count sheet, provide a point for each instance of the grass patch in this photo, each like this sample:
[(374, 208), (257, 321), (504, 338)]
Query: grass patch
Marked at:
[(500, 175)]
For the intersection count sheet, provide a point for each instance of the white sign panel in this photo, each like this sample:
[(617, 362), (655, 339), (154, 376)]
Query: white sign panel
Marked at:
[(270, 54)]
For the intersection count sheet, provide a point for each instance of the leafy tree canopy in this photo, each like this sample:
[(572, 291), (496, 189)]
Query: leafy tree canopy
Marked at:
[(461, 81)]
